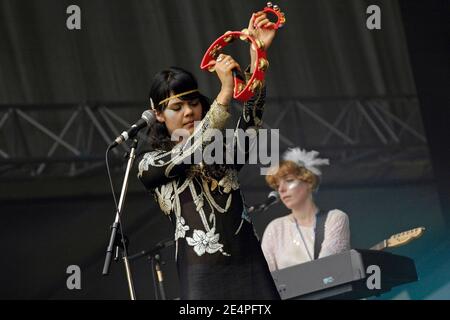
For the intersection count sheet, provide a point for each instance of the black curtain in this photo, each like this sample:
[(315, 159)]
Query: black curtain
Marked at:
[(324, 50), (428, 34)]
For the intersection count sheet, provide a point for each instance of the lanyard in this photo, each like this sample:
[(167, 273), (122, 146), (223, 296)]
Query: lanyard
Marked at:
[(303, 240)]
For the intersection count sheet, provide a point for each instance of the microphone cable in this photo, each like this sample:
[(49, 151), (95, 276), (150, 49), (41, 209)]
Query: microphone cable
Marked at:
[(115, 201)]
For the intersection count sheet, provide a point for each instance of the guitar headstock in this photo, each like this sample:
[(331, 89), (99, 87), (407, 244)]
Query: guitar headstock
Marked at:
[(403, 238)]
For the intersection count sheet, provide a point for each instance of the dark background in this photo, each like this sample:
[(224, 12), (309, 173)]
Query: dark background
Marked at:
[(324, 58)]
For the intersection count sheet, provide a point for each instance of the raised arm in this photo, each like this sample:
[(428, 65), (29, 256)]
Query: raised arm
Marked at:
[(159, 167)]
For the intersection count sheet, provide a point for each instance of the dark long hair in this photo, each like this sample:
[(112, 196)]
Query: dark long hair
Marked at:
[(165, 83)]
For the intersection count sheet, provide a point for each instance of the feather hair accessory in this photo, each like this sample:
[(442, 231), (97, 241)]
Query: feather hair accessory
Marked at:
[(306, 159)]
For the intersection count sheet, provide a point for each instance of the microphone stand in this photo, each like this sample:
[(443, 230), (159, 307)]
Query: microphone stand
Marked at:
[(258, 208), (120, 243), (271, 200), (159, 276), (154, 256)]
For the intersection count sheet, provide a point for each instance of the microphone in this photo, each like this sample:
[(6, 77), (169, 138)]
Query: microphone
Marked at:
[(155, 250), (147, 119), (272, 198)]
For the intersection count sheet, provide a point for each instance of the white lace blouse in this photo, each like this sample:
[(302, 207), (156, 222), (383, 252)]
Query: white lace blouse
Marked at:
[(283, 245)]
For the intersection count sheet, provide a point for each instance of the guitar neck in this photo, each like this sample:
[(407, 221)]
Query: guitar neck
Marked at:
[(379, 246), (399, 239)]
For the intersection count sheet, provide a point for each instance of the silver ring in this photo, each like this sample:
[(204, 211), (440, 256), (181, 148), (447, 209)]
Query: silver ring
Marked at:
[(220, 58)]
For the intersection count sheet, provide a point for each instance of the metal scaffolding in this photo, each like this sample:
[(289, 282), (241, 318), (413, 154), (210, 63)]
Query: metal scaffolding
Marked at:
[(382, 136)]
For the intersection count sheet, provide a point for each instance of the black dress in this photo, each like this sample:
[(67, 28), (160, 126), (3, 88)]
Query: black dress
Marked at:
[(217, 251)]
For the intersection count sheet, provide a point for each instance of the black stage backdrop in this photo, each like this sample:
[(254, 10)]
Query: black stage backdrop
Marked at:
[(325, 52), (325, 49)]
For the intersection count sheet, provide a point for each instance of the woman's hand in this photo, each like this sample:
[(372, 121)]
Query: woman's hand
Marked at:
[(223, 66), (257, 29)]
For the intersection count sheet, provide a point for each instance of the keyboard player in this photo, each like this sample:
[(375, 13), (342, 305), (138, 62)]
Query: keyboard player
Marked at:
[(306, 233)]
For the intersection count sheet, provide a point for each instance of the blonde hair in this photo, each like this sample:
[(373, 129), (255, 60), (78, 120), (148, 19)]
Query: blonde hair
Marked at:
[(288, 167)]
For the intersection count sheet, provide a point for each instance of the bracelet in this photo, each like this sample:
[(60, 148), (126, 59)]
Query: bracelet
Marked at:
[(226, 106)]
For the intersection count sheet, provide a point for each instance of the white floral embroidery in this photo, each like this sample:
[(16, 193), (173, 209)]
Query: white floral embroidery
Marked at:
[(204, 242), (165, 198), (229, 181), (198, 201), (204, 239), (148, 159), (181, 228)]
